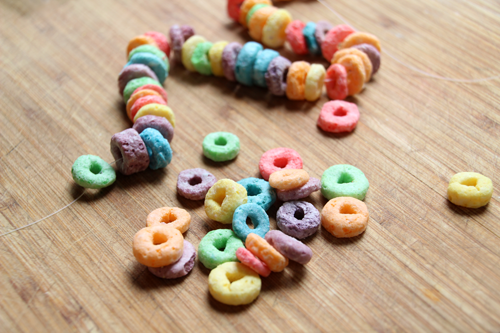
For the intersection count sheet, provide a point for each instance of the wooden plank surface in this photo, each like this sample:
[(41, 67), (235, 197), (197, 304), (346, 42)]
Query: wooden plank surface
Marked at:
[(422, 265)]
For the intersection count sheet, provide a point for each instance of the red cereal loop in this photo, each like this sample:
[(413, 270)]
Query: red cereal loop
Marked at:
[(248, 259), (150, 99), (233, 9), (333, 38), (161, 41), (336, 82), (338, 117), (154, 87), (296, 38), (277, 159)]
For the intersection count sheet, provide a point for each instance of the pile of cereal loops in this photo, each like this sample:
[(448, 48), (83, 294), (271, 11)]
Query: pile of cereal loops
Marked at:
[(238, 257)]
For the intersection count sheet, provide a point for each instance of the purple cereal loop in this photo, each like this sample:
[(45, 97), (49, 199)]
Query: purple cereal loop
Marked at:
[(177, 41), (372, 53), (129, 152), (179, 268), (194, 184), (229, 56), (276, 75), (289, 247), (161, 124), (134, 71), (298, 219), (322, 27), (313, 185), (187, 31)]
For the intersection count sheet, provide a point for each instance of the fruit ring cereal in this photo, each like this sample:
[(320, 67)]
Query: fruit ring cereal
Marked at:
[(360, 38), (221, 146), (332, 39), (156, 110), (276, 75), (259, 218), (193, 184), (470, 189), (233, 9), (217, 247), (289, 247), (91, 171), (173, 217), (313, 185), (356, 76), (322, 28), (296, 38), (159, 151), (222, 200), (372, 53), (298, 219), (336, 82), (160, 124), (248, 259), (229, 57), (288, 179), (156, 64), (134, 71), (150, 49), (138, 41), (277, 159), (258, 21), (314, 82), (215, 56), (233, 283), (265, 252), (200, 59), (363, 56), (188, 49), (245, 62), (259, 192), (296, 80), (177, 40), (273, 33), (338, 117), (246, 6), (138, 95), (129, 152), (345, 217), (154, 87), (344, 180), (158, 246), (160, 40), (179, 268), (132, 85), (253, 10), (149, 99), (312, 44), (262, 62)]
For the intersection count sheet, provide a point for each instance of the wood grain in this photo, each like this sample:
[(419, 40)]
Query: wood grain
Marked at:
[(423, 265)]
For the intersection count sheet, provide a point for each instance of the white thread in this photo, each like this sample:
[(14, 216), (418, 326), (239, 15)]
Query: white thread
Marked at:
[(410, 67)]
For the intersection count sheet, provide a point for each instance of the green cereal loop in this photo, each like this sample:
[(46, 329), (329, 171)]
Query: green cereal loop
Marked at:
[(153, 50), (344, 180), (210, 249), (221, 146), (132, 85), (91, 171), (200, 59), (254, 9)]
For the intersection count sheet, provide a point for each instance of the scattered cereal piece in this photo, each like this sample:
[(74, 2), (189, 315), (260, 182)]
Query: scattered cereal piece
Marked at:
[(193, 184), (233, 283), (289, 247), (257, 214), (265, 252), (158, 246), (470, 189), (288, 179), (277, 159), (222, 200), (179, 268), (248, 259), (259, 192), (313, 185), (91, 171), (217, 247), (338, 117), (221, 146), (344, 180), (298, 219), (345, 217), (173, 217)]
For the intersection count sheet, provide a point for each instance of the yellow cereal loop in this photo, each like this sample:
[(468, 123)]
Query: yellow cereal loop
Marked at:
[(138, 41), (360, 38), (233, 283), (314, 82), (355, 69), (188, 50), (159, 110), (223, 198), (366, 61), (470, 189), (258, 21), (215, 56), (273, 33)]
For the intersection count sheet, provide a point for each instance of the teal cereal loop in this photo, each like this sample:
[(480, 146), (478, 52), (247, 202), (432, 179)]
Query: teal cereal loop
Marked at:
[(132, 85), (264, 58), (156, 64), (344, 180), (312, 44), (259, 192), (150, 49), (217, 247), (221, 146), (200, 59), (259, 217), (159, 151), (92, 171)]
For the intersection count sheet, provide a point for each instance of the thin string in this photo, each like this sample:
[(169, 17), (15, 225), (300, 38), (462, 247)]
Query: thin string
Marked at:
[(54, 213), (410, 67)]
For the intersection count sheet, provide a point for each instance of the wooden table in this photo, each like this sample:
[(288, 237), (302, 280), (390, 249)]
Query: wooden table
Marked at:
[(422, 265)]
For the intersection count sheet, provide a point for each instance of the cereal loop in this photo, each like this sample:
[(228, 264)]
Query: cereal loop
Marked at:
[(288, 179), (137, 95), (138, 41), (345, 217), (265, 252), (338, 117), (188, 49), (258, 21), (360, 38), (314, 82), (248, 259), (366, 60), (344, 180), (336, 82), (217, 247), (154, 87), (470, 189), (246, 6), (129, 151), (215, 56), (273, 33), (233, 9), (160, 124), (156, 110), (296, 38), (356, 76), (179, 268), (193, 184), (296, 80), (91, 171), (221, 146), (160, 40), (333, 38), (257, 215), (222, 200), (158, 246), (173, 217), (200, 59), (277, 159), (151, 99)]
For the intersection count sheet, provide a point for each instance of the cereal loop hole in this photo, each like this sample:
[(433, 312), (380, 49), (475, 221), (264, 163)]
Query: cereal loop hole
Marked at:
[(220, 141), (347, 209), (250, 223), (470, 182), (220, 195), (169, 217), (195, 181), (233, 277), (280, 162), (95, 168), (299, 213), (285, 75), (159, 238), (345, 178), (340, 112), (253, 190)]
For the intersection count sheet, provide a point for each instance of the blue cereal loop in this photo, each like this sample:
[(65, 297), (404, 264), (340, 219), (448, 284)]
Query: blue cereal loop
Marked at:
[(259, 192), (259, 218), (312, 43), (245, 62), (156, 64), (264, 58), (159, 151)]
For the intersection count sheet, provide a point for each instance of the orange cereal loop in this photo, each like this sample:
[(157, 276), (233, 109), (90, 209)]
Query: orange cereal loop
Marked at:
[(265, 252), (296, 80), (358, 38), (366, 61), (171, 216), (288, 179), (247, 5), (136, 96), (355, 69), (258, 21), (158, 246), (138, 41), (345, 217)]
